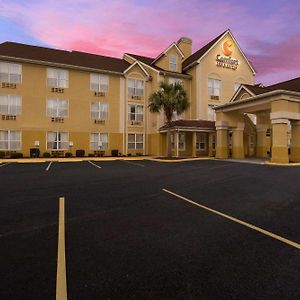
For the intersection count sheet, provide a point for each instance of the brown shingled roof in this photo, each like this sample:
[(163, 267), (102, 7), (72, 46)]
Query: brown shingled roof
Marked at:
[(195, 56), (256, 89), (72, 58), (191, 124), (289, 85), (144, 59)]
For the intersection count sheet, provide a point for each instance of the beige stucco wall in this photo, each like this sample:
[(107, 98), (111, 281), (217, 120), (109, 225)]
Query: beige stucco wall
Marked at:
[(208, 69)]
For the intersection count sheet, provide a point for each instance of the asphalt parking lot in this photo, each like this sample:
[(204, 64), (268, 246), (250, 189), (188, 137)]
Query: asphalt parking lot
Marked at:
[(128, 237)]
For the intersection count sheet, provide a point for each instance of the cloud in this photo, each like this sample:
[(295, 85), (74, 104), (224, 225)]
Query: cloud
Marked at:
[(112, 27)]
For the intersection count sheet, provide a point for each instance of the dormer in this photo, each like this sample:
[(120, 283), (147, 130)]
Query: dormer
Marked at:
[(170, 59)]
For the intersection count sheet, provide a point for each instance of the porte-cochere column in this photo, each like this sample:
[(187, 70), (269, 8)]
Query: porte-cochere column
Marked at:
[(222, 141), (280, 141), (238, 141), (295, 142)]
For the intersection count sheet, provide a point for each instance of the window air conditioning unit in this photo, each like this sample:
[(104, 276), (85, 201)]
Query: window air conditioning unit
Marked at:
[(57, 120), (9, 118), (99, 94), (136, 123), (213, 97), (102, 122), (8, 85), (57, 90), (136, 97)]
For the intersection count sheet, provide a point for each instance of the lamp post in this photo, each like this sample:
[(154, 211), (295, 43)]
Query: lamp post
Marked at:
[(36, 152), (71, 144)]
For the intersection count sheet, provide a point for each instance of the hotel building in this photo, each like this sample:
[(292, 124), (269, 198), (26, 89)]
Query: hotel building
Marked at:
[(62, 101)]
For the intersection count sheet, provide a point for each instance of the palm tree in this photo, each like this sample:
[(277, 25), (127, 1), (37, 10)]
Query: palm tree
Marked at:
[(170, 98)]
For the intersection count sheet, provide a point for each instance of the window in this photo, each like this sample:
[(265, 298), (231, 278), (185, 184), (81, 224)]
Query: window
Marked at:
[(214, 88), (213, 139), (57, 108), (172, 141), (135, 141), (181, 141), (135, 112), (10, 140), (57, 78), (99, 83), (135, 87), (251, 141), (57, 140), (10, 72), (175, 116), (99, 110), (201, 141), (173, 63), (173, 80), (211, 113), (98, 141), (10, 105)]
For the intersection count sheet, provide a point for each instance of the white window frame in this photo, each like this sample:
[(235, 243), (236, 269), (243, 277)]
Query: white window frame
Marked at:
[(99, 82), (57, 141), (211, 114), (201, 141), (181, 145), (10, 73), (57, 109), (212, 89), (10, 108), (135, 116), (173, 80), (133, 89), (58, 81), (135, 143), (173, 63), (101, 145), (100, 113), (175, 116), (9, 141)]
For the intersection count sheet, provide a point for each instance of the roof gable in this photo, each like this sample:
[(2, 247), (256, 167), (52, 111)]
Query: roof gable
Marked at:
[(173, 45), (138, 64), (195, 58)]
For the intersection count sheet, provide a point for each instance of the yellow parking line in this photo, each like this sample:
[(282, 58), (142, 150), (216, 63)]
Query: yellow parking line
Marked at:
[(61, 279), (265, 232), (50, 163)]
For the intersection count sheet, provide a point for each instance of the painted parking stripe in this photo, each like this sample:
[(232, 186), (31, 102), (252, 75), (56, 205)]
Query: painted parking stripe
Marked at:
[(94, 164), (48, 168), (61, 278), (133, 163), (5, 164), (253, 227)]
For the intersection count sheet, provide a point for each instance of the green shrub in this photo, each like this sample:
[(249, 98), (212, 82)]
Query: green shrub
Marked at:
[(46, 154), (34, 152), (91, 155), (2, 154), (80, 153), (114, 152), (68, 154), (16, 155)]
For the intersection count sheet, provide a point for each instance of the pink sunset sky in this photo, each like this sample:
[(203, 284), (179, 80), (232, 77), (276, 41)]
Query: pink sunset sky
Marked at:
[(268, 31)]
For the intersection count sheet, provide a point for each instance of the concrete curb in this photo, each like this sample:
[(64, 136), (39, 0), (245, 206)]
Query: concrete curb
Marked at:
[(282, 164), (80, 159)]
